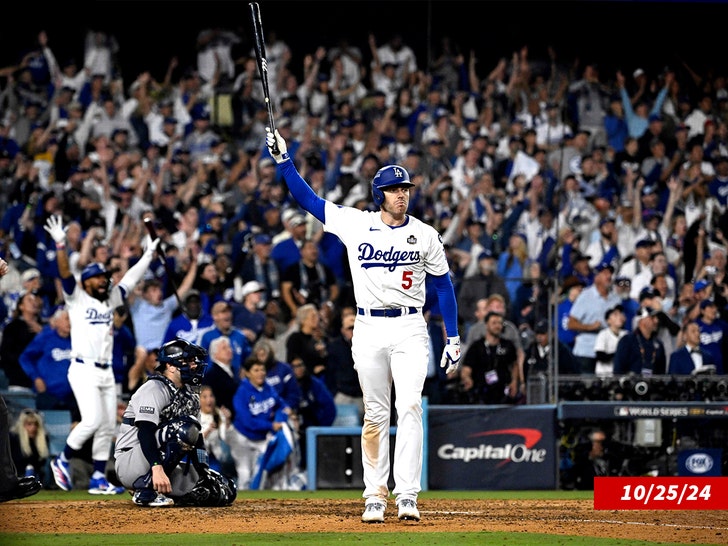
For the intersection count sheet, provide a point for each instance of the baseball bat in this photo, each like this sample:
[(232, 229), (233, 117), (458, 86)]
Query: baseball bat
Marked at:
[(262, 65), (170, 274)]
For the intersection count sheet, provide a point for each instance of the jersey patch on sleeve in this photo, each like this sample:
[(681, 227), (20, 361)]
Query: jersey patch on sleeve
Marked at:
[(146, 409)]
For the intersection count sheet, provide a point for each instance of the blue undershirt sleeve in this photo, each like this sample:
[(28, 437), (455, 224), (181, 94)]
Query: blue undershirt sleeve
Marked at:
[(301, 191), (448, 303)]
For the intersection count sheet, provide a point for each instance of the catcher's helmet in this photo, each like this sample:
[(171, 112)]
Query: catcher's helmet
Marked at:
[(180, 353), (391, 175)]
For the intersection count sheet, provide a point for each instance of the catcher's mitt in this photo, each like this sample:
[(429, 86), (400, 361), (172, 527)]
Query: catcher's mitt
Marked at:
[(212, 489)]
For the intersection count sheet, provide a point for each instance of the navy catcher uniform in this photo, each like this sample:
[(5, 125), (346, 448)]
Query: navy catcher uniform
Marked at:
[(160, 452), (390, 253)]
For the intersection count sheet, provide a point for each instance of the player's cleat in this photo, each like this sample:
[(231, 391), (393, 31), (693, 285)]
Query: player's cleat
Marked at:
[(149, 497), (374, 512), (61, 473), (408, 510), (100, 486), (26, 486)]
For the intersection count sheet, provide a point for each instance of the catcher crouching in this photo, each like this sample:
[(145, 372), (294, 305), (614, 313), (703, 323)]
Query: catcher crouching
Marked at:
[(160, 451)]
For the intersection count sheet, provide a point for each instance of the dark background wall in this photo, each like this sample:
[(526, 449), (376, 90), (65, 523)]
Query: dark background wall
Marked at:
[(615, 34)]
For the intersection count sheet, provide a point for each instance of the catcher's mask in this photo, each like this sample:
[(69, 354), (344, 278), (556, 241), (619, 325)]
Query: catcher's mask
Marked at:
[(191, 360)]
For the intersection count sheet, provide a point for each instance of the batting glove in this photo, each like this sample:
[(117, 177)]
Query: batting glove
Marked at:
[(451, 355), (150, 246), (270, 140), (54, 227)]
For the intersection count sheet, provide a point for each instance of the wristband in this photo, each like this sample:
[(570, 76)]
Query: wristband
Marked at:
[(60, 246)]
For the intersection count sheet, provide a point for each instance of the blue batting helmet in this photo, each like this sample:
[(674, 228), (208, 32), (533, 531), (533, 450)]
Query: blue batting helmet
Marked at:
[(391, 175), (93, 270)]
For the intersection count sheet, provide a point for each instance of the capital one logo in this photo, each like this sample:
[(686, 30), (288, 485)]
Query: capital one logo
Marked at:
[(520, 451)]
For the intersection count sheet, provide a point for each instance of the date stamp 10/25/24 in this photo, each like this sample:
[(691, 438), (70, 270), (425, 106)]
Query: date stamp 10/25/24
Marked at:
[(660, 493)]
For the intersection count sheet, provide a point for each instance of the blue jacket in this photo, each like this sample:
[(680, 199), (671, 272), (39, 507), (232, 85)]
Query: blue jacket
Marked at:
[(48, 356), (617, 131), (714, 340), (243, 318), (280, 376), (317, 407), (256, 410), (637, 355), (285, 254), (181, 326), (123, 351), (681, 363)]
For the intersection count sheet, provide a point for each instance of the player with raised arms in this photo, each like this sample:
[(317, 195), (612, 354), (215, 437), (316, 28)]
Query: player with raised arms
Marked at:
[(390, 253)]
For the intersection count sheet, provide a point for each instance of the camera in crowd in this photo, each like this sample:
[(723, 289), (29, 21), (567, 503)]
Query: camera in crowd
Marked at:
[(635, 388)]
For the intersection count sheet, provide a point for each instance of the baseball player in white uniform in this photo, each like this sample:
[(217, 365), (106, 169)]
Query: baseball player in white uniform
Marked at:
[(91, 305), (389, 253)]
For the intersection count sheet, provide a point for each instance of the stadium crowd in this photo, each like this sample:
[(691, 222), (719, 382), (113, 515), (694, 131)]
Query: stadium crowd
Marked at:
[(554, 186)]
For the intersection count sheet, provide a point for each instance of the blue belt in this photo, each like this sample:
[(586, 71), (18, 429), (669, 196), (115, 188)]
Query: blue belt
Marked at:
[(396, 312), (97, 364)]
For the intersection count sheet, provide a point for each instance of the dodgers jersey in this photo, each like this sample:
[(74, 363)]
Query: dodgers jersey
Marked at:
[(92, 323), (388, 264)]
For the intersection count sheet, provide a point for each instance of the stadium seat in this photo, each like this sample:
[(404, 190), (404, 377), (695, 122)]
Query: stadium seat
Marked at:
[(58, 426), (347, 415), (17, 401)]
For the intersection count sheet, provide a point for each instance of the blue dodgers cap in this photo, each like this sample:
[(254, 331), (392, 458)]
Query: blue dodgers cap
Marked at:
[(200, 111), (705, 303), (262, 239), (487, 253), (700, 285), (604, 265), (616, 308), (648, 292), (93, 270), (645, 243)]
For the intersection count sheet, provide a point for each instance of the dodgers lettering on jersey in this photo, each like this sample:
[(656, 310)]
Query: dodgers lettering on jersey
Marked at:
[(390, 259), (92, 324), (388, 265), (261, 407), (60, 355)]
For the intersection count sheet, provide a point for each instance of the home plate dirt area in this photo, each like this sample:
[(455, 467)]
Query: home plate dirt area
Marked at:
[(559, 517)]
